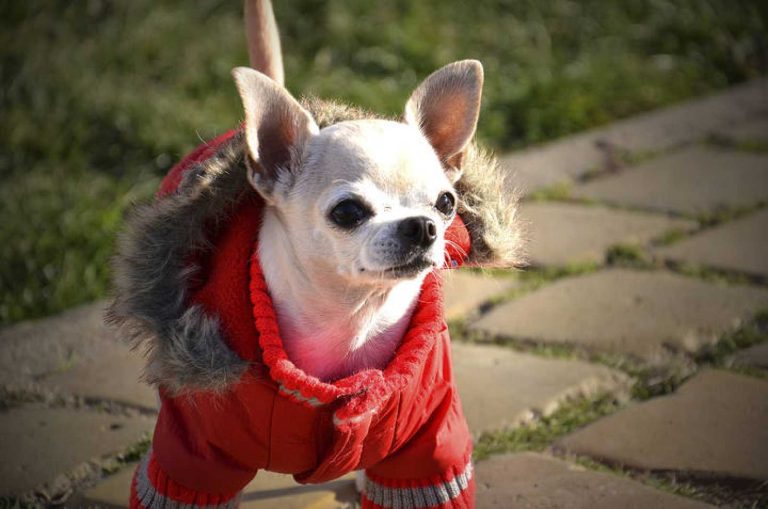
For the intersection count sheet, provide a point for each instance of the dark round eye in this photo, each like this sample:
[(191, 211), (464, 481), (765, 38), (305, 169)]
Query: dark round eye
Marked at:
[(349, 213), (445, 204)]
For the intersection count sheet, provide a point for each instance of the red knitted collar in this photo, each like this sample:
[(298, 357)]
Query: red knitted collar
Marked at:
[(367, 389)]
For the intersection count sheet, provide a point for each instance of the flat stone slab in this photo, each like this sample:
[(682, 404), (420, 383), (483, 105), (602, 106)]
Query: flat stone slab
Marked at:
[(267, 491), (564, 233), (74, 352), (645, 314), (740, 245), (753, 357), (35, 348), (501, 388), (755, 131), (466, 291), (563, 160), (535, 481), (38, 444), (695, 180), (716, 424), (116, 377)]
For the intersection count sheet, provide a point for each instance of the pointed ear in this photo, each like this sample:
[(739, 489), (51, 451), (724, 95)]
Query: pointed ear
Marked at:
[(276, 128), (445, 107)]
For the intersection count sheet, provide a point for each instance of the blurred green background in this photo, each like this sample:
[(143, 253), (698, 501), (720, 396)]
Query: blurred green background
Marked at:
[(100, 97)]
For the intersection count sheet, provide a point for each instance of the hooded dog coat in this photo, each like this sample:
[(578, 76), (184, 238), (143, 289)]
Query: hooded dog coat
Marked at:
[(189, 285)]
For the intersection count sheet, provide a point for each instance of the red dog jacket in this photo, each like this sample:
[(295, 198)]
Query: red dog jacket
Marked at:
[(403, 424)]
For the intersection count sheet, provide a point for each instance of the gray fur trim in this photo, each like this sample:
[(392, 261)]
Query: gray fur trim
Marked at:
[(488, 206), (152, 273)]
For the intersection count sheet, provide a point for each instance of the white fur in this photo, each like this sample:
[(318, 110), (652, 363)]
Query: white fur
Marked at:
[(337, 312)]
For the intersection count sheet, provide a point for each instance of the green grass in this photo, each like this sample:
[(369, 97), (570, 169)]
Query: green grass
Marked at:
[(539, 434), (99, 98), (626, 255), (131, 454)]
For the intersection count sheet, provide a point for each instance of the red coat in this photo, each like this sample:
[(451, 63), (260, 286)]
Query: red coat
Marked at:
[(404, 424)]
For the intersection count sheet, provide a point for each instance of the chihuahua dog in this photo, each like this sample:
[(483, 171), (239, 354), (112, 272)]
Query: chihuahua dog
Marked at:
[(284, 284), (356, 213)]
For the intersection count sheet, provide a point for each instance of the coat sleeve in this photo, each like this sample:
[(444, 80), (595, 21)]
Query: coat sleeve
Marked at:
[(434, 470), (199, 456), (153, 487)]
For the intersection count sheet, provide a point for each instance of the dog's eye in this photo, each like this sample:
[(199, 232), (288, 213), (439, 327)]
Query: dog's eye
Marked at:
[(445, 204), (349, 213)]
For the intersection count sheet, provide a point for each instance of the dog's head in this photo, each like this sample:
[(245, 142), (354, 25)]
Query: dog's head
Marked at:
[(368, 199)]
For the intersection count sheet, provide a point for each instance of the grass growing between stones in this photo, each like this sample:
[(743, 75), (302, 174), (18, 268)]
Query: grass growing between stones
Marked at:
[(756, 146), (713, 218), (539, 434), (711, 274), (751, 334), (14, 503), (131, 454), (627, 255), (671, 237), (556, 192), (718, 494)]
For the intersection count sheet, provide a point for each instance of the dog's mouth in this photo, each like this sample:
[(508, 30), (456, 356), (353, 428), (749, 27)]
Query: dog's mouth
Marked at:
[(409, 269)]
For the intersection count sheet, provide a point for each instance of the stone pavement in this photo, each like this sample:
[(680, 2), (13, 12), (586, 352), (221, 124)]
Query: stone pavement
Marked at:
[(648, 289)]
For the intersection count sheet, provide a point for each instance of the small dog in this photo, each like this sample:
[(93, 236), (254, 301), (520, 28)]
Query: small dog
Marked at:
[(285, 284), (356, 214)]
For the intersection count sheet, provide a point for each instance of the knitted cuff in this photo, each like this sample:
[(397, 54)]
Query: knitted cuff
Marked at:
[(454, 489), (151, 487)]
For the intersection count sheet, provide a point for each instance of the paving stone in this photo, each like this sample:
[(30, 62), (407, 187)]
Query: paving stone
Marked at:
[(535, 481), (112, 492), (564, 233), (740, 245), (716, 424), (35, 348), (696, 180), (645, 314), (500, 387), (755, 131), (466, 291), (113, 378), (38, 444), (74, 352), (267, 491), (562, 160), (753, 357)]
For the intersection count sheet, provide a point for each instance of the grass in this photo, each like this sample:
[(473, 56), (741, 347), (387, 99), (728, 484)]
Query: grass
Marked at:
[(556, 192), (539, 434), (626, 255), (752, 333), (99, 98), (131, 454), (754, 145)]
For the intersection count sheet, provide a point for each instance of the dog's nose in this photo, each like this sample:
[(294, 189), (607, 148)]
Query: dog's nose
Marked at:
[(419, 231)]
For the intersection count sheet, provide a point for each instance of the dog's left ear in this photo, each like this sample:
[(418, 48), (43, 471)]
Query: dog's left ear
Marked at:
[(445, 107)]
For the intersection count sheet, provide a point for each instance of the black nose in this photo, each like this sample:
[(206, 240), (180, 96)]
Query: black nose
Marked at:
[(418, 231)]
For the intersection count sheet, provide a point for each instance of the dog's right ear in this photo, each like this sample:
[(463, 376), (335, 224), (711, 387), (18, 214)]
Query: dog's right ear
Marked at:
[(277, 129)]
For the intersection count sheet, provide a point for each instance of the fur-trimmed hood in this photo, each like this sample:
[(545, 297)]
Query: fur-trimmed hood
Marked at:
[(161, 253)]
